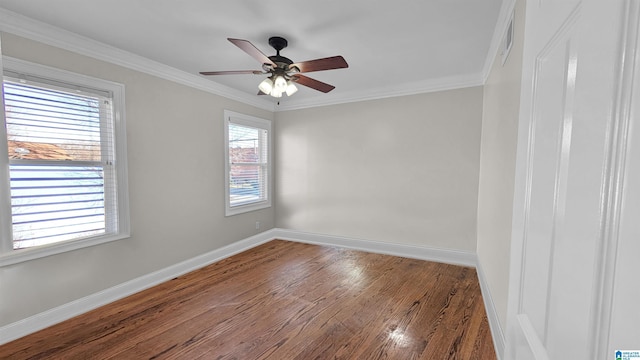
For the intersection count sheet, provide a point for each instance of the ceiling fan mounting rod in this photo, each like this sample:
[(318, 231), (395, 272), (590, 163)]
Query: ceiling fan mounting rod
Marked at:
[(281, 62), (278, 43)]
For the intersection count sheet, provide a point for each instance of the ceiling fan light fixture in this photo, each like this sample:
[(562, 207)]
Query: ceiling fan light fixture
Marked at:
[(291, 88), (266, 86), (280, 83), (276, 93)]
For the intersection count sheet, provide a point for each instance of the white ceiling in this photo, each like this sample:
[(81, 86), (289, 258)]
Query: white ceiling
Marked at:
[(392, 47)]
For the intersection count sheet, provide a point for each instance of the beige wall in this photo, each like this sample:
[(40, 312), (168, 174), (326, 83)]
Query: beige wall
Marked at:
[(400, 170), (497, 167), (175, 155)]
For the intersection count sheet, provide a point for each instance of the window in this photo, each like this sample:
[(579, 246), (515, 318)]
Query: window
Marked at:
[(66, 158), (248, 163)]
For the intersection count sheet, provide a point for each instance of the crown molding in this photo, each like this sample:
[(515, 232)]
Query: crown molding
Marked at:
[(20, 25), (23, 26), (431, 85)]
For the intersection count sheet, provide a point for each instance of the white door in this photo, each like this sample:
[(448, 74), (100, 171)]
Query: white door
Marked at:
[(564, 179)]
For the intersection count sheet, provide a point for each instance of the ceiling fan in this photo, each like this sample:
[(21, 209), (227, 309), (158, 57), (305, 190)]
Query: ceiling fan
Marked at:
[(284, 73)]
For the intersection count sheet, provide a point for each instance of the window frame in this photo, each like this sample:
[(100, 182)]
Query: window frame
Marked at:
[(231, 117), (10, 256)]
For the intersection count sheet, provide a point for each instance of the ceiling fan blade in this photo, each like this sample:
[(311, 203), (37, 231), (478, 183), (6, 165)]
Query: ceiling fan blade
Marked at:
[(330, 63), (232, 72), (312, 83), (253, 51)]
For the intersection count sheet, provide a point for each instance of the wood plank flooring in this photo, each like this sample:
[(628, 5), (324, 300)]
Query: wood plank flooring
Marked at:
[(284, 300)]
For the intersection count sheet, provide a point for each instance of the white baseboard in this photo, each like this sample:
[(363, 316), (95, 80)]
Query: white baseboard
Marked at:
[(494, 323), (69, 310), (64, 312), (449, 256)]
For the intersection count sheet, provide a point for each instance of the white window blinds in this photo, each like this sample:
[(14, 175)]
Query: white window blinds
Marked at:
[(61, 160), (248, 163), (248, 159)]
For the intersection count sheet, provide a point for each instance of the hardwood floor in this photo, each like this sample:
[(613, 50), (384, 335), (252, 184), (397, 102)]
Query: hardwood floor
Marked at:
[(284, 300)]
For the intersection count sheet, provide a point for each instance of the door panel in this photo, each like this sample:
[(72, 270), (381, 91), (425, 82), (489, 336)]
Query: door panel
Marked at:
[(549, 157), (569, 66)]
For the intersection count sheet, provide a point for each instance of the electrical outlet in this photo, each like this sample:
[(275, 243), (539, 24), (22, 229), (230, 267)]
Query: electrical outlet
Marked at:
[(257, 225)]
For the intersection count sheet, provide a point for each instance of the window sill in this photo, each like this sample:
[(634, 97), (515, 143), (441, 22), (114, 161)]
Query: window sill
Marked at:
[(240, 209), (22, 255)]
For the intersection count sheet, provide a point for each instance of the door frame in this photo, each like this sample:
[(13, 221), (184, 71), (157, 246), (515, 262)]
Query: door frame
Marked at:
[(628, 65)]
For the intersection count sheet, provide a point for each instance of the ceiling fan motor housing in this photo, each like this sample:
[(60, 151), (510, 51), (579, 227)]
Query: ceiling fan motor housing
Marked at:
[(282, 63)]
